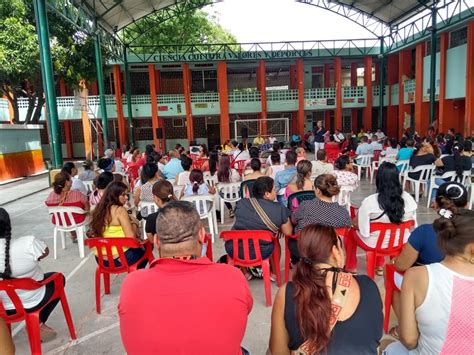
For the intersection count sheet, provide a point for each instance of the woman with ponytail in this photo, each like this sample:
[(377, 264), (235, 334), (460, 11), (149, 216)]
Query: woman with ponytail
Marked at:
[(163, 192), (437, 307), (302, 181), (19, 258), (302, 313), (456, 162), (197, 185)]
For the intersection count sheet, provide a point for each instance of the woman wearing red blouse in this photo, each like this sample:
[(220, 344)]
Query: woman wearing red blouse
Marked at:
[(62, 195)]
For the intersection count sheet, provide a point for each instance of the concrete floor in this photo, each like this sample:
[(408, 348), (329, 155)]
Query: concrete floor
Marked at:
[(100, 334)]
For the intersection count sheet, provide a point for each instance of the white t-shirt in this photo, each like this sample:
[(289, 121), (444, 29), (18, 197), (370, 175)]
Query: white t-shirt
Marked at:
[(24, 254), (78, 185), (119, 167), (370, 210)]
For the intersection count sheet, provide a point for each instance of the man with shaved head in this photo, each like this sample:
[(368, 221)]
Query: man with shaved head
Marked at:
[(184, 303)]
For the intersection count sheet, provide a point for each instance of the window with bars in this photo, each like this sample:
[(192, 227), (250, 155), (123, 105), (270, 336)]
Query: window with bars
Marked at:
[(458, 37), (428, 46), (143, 129)]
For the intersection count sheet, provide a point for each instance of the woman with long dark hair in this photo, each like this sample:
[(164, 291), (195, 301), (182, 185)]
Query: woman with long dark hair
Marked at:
[(302, 316), (100, 182), (213, 160), (390, 204), (19, 258), (110, 219), (143, 192)]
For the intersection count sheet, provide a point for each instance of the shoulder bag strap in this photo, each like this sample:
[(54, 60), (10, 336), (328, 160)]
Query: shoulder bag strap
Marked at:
[(263, 216)]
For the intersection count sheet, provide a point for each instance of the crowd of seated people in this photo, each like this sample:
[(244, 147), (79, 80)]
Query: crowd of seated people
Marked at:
[(301, 319)]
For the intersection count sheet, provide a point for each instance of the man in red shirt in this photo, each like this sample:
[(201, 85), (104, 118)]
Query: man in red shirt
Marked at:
[(183, 304)]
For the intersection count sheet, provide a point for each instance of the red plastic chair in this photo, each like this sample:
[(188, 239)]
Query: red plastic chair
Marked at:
[(104, 253), (32, 318), (201, 164), (389, 288), (256, 236), (208, 240), (132, 172), (393, 249), (339, 231)]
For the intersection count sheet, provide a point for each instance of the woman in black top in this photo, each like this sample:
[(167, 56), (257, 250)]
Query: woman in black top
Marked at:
[(422, 156), (302, 309)]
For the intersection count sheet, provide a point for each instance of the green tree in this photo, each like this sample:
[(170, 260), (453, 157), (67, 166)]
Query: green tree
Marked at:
[(72, 53), (187, 27)]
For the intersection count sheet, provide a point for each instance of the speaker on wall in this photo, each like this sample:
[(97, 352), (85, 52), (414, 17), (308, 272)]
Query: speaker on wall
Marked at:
[(159, 133), (244, 132)]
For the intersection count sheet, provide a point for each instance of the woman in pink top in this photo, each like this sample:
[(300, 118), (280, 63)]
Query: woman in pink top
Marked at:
[(437, 308)]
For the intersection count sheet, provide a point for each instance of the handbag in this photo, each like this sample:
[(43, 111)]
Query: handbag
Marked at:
[(338, 301)]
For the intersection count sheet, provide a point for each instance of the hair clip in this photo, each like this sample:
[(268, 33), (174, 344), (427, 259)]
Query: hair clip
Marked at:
[(307, 261), (170, 195), (455, 186), (445, 213)]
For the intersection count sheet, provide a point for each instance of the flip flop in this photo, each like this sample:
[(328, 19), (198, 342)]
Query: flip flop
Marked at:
[(393, 332)]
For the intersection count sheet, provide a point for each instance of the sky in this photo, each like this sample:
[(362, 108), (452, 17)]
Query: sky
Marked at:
[(283, 20)]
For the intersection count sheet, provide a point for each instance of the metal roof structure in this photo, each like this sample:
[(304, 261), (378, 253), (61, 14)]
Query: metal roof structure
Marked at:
[(115, 15)]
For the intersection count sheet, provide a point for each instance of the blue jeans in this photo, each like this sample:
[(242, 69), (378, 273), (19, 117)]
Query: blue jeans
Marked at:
[(132, 255), (439, 182)]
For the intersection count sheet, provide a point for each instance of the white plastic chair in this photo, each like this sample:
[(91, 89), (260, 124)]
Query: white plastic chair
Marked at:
[(376, 164), (402, 166), (229, 192), (364, 161), (206, 207), (344, 197), (210, 180), (471, 202), (451, 175), (61, 215), (89, 186), (149, 207), (425, 176)]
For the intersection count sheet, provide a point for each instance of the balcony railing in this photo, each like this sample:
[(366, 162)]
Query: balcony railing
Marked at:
[(245, 96), (282, 95), (353, 91), (320, 93), (205, 97), (170, 99)]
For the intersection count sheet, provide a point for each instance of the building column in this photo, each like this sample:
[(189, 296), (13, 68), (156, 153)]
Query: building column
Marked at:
[(368, 84), (187, 101), (392, 110), (404, 72), (421, 108), (443, 117), (224, 125), (354, 123), (327, 84), (293, 86), (67, 123), (300, 83), (155, 122), (48, 80), (262, 87), (101, 87), (118, 101), (469, 113), (338, 82)]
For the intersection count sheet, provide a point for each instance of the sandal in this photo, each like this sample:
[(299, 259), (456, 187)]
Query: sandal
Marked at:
[(393, 332), (379, 271), (46, 333), (231, 214)]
